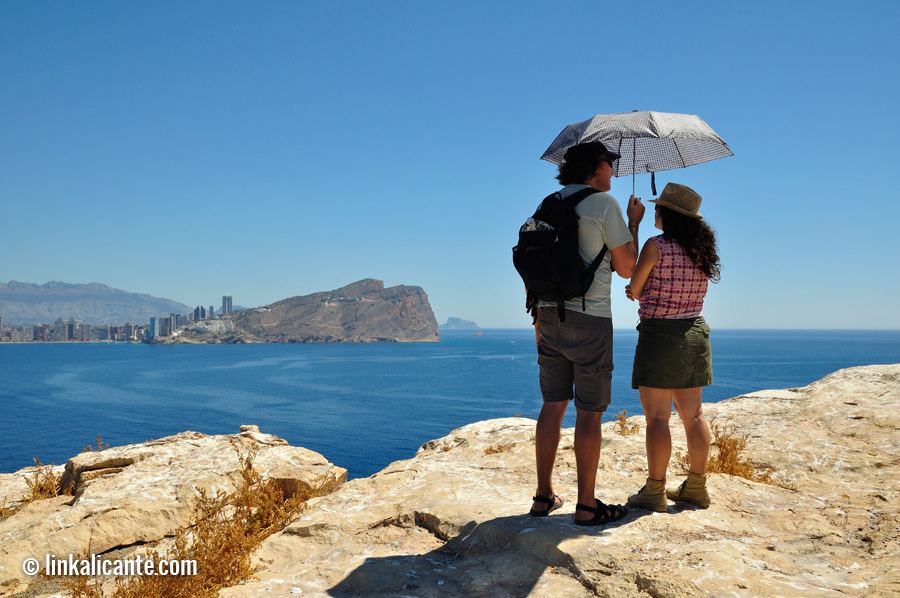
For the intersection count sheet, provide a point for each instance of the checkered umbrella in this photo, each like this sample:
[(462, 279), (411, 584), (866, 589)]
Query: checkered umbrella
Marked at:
[(647, 141)]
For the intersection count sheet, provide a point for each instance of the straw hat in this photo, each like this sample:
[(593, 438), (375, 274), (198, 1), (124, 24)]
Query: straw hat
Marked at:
[(683, 200)]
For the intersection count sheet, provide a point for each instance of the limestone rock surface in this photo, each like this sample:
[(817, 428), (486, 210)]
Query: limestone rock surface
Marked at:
[(140, 493), (451, 520)]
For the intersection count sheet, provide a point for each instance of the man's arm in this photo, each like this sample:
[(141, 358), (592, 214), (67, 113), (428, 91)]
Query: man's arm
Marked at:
[(625, 256)]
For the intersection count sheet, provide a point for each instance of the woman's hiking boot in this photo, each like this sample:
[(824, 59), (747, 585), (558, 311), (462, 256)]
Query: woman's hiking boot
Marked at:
[(692, 490), (651, 497)]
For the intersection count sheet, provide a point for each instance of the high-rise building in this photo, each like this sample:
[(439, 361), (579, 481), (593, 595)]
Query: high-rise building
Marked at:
[(153, 331), (199, 313), (210, 312), (60, 333), (226, 305)]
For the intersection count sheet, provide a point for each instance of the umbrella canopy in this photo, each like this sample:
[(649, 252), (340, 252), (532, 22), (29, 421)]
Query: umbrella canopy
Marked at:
[(647, 141)]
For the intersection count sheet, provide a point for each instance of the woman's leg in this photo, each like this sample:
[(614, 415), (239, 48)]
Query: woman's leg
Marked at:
[(657, 405), (688, 403)]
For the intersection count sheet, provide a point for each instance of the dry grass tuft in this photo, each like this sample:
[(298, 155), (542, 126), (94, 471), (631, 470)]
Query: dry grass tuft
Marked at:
[(623, 428), (100, 446), (499, 448), (43, 483), (729, 457), (226, 529)]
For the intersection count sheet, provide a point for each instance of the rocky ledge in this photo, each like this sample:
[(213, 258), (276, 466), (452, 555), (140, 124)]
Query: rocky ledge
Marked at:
[(141, 493), (450, 521)]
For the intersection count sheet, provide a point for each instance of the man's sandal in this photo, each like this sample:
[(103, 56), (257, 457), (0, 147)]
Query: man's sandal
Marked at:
[(603, 514), (547, 501)]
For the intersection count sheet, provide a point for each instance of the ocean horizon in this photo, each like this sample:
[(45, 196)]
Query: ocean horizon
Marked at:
[(360, 405)]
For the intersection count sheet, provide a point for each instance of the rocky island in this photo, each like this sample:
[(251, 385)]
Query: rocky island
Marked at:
[(450, 521), (459, 324)]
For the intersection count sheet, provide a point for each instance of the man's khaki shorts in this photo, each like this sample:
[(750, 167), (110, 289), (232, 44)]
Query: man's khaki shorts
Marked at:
[(577, 352)]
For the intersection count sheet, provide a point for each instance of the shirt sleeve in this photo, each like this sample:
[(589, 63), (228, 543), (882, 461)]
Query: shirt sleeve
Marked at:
[(615, 231)]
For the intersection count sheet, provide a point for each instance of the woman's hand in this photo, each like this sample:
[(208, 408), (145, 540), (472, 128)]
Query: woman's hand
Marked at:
[(628, 292)]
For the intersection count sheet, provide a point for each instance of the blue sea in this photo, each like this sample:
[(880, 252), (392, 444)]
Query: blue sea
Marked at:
[(361, 405)]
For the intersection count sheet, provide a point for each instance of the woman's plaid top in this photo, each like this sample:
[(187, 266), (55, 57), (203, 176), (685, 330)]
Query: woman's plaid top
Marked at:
[(676, 286)]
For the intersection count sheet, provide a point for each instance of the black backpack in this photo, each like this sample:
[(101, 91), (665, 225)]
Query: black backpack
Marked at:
[(547, 257)]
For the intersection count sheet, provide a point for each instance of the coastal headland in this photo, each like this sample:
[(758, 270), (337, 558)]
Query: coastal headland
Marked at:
[(361, 312), (450, 520)]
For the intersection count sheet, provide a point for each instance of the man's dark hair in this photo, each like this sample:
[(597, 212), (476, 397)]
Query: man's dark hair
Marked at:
[(580, 162)]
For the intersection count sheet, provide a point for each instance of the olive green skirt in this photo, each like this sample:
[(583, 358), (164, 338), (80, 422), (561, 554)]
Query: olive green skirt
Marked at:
[(672, 354)]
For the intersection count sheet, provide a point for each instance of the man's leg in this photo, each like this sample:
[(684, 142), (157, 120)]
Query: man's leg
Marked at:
[(588, 439), (546, 443)]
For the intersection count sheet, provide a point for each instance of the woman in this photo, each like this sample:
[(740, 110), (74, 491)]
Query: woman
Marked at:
[(672, 360)]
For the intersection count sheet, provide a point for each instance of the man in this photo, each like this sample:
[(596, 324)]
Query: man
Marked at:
[(578, 352)]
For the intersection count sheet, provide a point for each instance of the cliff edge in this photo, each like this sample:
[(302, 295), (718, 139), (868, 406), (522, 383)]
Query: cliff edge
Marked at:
[(451, 520)]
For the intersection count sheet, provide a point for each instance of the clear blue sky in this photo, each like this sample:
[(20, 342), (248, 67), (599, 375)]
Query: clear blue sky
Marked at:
[(273, 149)]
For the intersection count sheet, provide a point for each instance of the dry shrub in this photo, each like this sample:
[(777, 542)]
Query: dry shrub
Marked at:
[(226, 529), (43, 483), (623, 428), (728, 456), (499, 448), (100, 446)]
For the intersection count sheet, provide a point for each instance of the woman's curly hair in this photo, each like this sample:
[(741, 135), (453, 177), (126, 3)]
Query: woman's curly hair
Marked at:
[(696, 238)]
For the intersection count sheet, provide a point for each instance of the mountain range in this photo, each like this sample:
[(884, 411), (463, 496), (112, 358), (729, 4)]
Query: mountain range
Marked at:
[(92, 303)]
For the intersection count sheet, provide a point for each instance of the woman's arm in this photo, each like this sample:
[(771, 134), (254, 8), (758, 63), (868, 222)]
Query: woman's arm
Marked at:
[(648, 259)]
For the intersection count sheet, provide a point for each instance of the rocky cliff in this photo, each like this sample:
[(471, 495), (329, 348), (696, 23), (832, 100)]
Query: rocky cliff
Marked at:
[(93, 303), (450, 521), (362, 312)]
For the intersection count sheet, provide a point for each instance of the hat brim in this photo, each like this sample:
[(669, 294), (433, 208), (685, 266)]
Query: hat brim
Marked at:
[(665, 204)]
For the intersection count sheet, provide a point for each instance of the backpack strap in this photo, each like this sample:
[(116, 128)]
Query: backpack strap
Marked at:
[(579, 195), (592, 269), (576, 198)]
